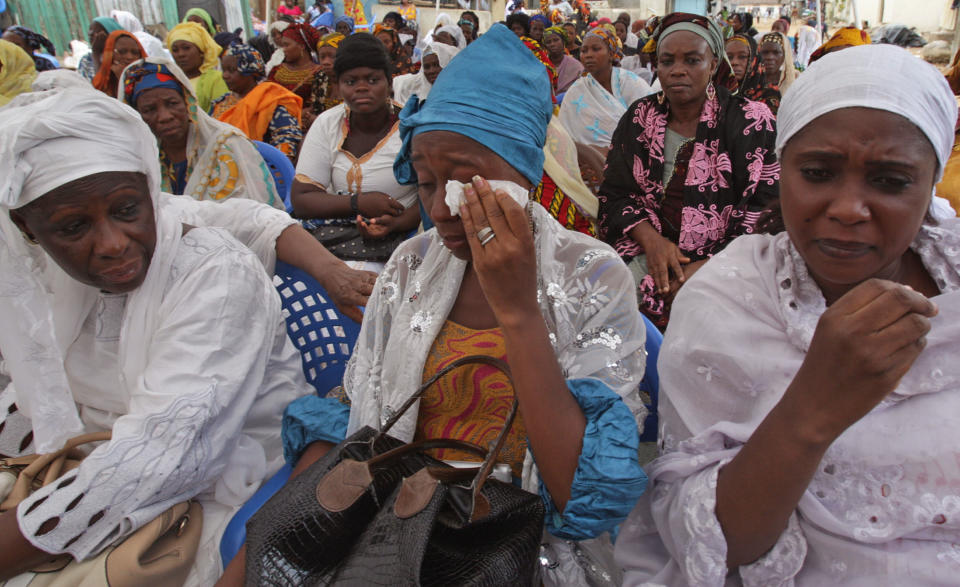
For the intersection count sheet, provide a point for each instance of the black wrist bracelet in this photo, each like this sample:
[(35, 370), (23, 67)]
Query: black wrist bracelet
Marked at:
[(355, 204)]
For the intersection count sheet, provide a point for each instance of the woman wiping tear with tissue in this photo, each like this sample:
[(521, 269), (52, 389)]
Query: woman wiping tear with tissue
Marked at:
[(502, 279)]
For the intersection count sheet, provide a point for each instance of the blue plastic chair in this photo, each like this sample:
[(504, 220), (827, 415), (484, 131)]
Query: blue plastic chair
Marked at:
[(324, 336), (281, 169), (325, 339), (651, 380)]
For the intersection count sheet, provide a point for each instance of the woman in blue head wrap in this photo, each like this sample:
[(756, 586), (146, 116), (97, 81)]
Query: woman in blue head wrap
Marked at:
[(538, 24), (498, 276), (343, 25)]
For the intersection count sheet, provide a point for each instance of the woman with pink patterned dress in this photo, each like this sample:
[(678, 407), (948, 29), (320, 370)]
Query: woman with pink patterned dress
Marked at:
[(689, 169)]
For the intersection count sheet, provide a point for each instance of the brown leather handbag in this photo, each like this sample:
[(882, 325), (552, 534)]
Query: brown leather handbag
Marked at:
[(378, 511), (160, 553)]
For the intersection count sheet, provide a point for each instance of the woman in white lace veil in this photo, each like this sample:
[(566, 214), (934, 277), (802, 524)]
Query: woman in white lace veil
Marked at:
[(810, 392), (511, 283)]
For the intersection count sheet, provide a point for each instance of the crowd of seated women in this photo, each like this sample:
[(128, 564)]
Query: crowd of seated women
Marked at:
[(782, 229)]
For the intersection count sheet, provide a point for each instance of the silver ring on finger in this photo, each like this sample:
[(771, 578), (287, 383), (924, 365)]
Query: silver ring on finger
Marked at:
[(485, 235)]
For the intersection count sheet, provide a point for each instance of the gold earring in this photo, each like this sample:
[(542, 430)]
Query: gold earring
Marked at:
[(711, 91), (661, 97)]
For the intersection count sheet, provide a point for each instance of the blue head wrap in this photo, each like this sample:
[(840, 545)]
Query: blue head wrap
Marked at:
[(347, 20), (495, 92), (325, 19), (541, 18), (148, 76)]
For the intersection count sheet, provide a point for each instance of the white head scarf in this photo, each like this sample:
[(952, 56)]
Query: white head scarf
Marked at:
[(416, 84), (860, 77), (443, 52), (127, 21), (49, 139), (58, 79), (455, 32)]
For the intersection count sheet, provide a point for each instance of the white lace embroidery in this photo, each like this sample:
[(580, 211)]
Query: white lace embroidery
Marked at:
[(162, 463)]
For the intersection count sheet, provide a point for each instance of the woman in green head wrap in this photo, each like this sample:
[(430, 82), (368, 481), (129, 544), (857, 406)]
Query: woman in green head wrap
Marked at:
[(203, 18)]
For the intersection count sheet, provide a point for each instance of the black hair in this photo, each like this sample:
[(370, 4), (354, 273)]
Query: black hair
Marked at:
[(522, 19), (262, 44), (362, 50), (395, 16), (472, 16)]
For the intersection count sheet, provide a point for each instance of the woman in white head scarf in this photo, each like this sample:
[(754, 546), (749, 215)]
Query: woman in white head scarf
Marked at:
[(117, 317), (276, 29), (443, 19), (419, 84), (454, 32), (831, 459), (151, 44), (807, 42)]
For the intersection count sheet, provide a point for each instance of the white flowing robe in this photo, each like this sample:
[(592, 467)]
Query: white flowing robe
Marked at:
[(202, 418), (884, 504)]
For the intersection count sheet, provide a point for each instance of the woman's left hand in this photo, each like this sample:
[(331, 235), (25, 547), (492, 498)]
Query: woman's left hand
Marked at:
[(376, 228), (506, 265)]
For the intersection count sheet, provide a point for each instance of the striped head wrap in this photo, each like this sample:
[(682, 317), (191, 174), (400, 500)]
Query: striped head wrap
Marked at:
[(608, 35)]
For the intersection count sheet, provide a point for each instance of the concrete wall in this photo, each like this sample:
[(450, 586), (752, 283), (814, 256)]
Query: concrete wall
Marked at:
[(925, 15)]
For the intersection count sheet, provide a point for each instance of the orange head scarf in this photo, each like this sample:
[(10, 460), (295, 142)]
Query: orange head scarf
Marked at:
[(254, 112), (102, 81)]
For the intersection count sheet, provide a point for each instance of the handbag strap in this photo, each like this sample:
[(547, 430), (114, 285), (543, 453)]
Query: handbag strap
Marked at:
[(472, 359), (55, 460), (486, 467), (436, 443)]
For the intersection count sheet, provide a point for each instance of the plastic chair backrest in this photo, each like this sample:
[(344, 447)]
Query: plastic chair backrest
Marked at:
[(651, 380), (280, 168), (324, 336)]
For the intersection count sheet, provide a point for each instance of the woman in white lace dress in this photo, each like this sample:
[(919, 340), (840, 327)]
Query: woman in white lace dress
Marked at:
[(810, 403), (117, 316)]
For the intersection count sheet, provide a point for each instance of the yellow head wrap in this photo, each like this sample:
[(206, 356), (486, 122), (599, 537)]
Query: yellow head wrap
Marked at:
[(331, 40), (18, 71), (196, 34)]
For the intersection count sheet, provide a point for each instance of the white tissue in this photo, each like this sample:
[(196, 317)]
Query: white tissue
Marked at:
[(7, 481), (454, 195)]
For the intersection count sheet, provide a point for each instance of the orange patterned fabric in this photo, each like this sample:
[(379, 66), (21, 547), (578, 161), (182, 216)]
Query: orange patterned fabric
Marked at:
[(472, 402)]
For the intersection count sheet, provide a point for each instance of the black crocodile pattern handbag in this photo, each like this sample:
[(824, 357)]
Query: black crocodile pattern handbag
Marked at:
[(377, 511)]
